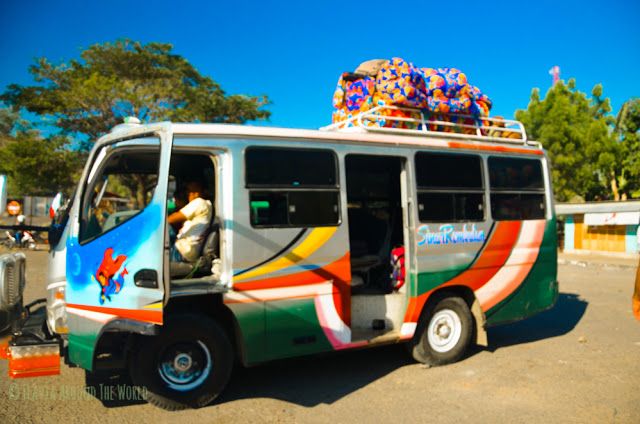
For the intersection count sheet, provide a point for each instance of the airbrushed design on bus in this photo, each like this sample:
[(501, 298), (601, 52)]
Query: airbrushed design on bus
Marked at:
[(508, 253), (99, 271), (500, 269), (107, 276), (447, 234)]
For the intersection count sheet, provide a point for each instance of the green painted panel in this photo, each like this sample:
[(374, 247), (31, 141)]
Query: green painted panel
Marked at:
[(251, 320), (293, 329), (430, 280), (81, 348), (539, 291), (83, 340)]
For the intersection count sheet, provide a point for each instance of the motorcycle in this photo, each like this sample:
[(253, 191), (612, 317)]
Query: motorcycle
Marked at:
[(20, 239)]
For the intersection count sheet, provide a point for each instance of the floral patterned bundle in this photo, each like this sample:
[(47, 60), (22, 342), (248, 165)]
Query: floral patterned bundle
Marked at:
[(438, 92), (353, 95)]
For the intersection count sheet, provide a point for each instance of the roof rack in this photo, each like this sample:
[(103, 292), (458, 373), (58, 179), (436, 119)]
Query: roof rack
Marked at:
[(451, 124)]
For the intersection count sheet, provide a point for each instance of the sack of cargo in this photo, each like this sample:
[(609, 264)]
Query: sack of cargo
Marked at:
[(353, 95), (436, 92), (399, 83), (371, 68)]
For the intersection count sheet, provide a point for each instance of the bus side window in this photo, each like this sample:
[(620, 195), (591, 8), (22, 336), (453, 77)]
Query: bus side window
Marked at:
[(292, 187), (450, 187), (123, 186), (517, 188)]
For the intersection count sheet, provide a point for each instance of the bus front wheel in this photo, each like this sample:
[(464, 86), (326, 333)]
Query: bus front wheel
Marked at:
[(187, 365), (445, 332)]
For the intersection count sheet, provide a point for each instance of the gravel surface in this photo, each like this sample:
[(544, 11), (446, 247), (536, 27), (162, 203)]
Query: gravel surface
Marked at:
[(578, 362)]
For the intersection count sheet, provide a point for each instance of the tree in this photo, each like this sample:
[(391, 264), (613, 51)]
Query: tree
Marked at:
[(627, 129), (8, 120), (35, 165), (89, 96), (85, 98), (576, 131)]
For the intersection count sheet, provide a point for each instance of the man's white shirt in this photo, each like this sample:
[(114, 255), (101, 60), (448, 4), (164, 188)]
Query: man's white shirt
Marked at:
[(198, 213)]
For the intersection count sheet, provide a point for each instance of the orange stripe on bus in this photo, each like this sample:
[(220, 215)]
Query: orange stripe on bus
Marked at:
[(151, 316), (494, 255), (339, 270), (504, 149)]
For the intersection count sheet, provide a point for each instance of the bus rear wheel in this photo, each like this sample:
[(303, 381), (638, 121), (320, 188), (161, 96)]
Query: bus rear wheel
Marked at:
[(187, 365), (445, 334)]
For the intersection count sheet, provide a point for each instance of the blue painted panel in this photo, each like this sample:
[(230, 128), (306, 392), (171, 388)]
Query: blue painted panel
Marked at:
[(139, 241), (569, 233), (631, 239)]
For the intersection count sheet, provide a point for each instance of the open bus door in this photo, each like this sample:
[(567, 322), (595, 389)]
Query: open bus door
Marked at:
[(116, 246)]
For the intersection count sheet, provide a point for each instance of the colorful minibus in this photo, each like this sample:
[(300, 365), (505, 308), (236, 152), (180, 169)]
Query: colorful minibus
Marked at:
[(318, 241)]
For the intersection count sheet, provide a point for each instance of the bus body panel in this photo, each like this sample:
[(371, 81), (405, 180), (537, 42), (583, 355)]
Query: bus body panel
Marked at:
[(538, 291), (290, 288)]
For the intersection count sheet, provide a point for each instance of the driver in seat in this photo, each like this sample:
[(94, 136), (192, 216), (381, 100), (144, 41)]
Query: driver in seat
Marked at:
[(192, 221)]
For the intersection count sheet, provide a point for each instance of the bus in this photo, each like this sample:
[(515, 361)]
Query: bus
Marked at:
[(319, 240)]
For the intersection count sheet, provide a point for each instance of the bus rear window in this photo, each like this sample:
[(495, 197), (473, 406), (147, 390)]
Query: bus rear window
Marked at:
[(517, 189), (516, 174)]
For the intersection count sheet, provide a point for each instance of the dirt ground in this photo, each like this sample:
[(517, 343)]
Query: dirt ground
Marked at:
[(579, 362)]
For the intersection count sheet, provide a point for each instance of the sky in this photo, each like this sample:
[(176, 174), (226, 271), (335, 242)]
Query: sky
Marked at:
[(294, 51)]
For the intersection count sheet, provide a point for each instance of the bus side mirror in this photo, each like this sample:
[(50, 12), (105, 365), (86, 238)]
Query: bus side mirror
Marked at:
[(55, 233), (59, 212)]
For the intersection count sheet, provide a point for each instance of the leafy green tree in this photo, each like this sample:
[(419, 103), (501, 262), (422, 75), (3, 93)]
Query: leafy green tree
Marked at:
[(35, 165), (576, 131), (627, 129), (110, 81), (8, 120), (87, 97)]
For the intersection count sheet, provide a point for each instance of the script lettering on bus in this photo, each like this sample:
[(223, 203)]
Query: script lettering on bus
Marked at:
[(447, 234)]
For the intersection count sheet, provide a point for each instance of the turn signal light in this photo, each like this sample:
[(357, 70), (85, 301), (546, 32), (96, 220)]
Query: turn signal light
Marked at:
[(34, 360), (4, 348)]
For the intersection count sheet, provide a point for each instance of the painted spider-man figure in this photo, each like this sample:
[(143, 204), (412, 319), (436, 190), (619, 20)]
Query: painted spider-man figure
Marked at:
[(106, 273)]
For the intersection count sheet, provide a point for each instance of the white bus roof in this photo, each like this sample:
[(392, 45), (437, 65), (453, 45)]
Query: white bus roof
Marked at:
[(348, 136)]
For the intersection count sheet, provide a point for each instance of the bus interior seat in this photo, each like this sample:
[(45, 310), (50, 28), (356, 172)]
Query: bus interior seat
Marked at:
[(209, 250), (372, 262)]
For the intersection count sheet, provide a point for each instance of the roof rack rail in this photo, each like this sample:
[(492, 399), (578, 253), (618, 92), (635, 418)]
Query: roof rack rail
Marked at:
[(422, 122)]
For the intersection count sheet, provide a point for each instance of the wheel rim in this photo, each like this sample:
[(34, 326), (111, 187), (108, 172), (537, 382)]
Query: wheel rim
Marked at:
[(185, 366), (445, 329)]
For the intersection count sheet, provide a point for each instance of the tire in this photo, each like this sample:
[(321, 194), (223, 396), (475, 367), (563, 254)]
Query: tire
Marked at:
[(187, 365), (444, 333)]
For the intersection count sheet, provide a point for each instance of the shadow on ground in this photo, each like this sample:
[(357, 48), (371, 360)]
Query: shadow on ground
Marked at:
[(557, 321), (112, 389), (315, 380), (324, 379), (306, 381)]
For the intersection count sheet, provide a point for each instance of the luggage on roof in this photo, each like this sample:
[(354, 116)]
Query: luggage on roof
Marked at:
[(440, 94)]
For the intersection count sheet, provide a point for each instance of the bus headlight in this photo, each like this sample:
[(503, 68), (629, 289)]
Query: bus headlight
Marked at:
[(56, 308)]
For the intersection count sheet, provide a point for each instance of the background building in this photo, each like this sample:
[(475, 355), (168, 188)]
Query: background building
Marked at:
[(599, 226)]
